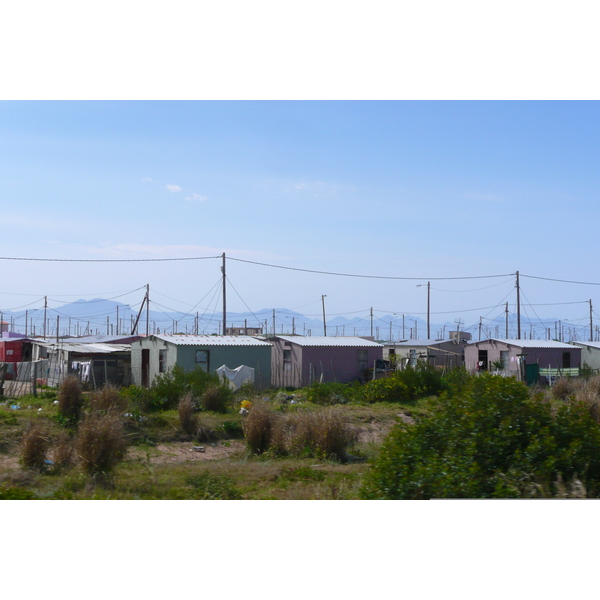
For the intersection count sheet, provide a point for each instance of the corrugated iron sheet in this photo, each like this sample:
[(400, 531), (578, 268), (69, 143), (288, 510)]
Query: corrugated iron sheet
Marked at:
[(340, 342), (211, 340)]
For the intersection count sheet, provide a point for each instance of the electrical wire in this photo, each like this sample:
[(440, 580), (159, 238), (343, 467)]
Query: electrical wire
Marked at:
[(366, 276), (105, 260)]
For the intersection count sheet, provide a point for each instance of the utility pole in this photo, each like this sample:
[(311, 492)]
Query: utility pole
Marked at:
[(147, 310), (506, 319), (371, 321), (479, 328), (45, 308), (518, 308), (324, 322), (274, 332), (225, 297), (591, 324), (428, 304)]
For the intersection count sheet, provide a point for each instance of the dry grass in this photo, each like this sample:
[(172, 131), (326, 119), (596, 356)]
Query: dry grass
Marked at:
[(215, 398), (64, 451), (188, 418), (258, 428), (70, 398), (101, 442), (588, 392), (107, 399), (34, 447), (325, 434), (563, 389)]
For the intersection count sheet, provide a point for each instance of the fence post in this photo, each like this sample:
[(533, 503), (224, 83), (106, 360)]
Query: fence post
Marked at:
[(34, 381)]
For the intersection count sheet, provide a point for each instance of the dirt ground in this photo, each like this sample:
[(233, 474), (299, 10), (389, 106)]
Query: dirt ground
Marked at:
[(183, 452)]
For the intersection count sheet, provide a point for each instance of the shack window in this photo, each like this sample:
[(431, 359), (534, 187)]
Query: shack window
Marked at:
[(287, 360), (202, 359), (162, 360), (566, 360)]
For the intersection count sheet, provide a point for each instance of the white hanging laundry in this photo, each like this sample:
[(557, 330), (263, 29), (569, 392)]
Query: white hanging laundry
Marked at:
[(236, 378)]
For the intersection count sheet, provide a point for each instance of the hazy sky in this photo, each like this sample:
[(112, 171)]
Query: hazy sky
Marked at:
[(388, 188)]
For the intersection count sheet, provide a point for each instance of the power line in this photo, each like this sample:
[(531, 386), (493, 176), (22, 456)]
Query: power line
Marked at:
[(103, 260), (364, 276), (560, 280)]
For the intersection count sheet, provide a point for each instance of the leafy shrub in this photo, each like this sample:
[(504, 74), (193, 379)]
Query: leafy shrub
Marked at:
[(188, 419), (34, 447), (472, 443), (168, 388), (216, 398), (232, 428), (406, 385), (330, 393), (139, 398), (107, 399), (70, 399), (101, 442)]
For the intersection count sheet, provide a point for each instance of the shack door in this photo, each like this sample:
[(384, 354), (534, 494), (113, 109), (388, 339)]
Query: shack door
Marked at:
[(145, 366)]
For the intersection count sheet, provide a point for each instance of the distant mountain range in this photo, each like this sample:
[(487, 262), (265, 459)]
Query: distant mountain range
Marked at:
[(100, 316)]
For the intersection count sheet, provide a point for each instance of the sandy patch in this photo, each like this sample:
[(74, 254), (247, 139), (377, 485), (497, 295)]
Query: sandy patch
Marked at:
[(182, 452)]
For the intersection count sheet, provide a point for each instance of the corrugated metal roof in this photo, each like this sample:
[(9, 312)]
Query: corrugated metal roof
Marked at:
[(417, 343), (210, 340), (530, 343), (87, 348), (590, 344), (329, 341)]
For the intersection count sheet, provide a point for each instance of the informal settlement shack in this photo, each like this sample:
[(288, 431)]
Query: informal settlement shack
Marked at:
[(159, 353)]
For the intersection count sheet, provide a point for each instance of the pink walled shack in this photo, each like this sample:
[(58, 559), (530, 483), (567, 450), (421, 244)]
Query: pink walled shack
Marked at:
[(298, 361), (527, 360)]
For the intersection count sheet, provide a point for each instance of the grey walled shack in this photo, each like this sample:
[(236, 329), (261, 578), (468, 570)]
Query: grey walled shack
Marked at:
[(299, 361), (590, 353), (438, 353), (158, 353), (528, 360)]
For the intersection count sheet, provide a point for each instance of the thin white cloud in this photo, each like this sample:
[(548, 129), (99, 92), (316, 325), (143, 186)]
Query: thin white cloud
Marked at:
[(196, 198), (174, 188), (313, 188), (147, 179)]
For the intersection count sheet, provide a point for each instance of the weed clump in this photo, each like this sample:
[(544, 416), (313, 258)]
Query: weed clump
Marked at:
[(34, 447), (258, 428), (216, 398), (188, 418), (107, 399), (70, 399), (101, 442), (323, 434)]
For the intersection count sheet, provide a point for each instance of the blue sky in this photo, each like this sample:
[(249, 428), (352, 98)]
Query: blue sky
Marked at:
[(388, 188)]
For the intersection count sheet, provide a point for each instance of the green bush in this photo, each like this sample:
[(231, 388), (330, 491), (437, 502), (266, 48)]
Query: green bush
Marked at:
[(331, 393), (168, 388), (406, 385), (478, 443)]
